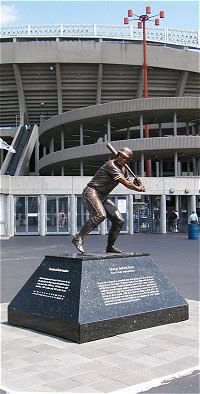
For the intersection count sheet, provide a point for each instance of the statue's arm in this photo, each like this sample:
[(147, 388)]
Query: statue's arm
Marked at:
[(127, 183)]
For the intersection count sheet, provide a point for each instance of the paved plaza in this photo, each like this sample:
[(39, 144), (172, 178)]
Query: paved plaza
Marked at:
[(129, 363)]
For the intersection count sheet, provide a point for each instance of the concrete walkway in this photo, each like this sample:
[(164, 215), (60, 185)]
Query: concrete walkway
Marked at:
[(128, 363), (33, 362)]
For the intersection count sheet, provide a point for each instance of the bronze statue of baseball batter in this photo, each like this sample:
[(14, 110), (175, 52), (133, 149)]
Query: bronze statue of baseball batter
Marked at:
[(95, 199)]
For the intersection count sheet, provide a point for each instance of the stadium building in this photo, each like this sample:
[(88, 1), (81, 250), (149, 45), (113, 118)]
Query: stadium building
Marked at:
[(67, 90)]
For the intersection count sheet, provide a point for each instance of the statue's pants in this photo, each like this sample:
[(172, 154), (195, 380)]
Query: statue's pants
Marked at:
[(100, 208)]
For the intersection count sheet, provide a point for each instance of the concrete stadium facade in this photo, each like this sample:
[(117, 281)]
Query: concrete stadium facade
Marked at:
[(83, 92)]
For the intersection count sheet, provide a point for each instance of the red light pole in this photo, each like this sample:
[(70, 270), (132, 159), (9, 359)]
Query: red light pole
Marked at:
[(142, 19)]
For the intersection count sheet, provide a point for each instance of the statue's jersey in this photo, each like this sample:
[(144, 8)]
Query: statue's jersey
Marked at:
[(107, 178)]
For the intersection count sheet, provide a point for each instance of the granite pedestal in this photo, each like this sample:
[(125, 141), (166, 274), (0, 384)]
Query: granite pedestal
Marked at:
[(88, 297)]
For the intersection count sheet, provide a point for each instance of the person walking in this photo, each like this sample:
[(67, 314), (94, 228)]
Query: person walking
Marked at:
[(100, 207)]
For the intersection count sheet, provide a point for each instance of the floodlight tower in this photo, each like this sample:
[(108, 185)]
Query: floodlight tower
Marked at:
[(142, 19)]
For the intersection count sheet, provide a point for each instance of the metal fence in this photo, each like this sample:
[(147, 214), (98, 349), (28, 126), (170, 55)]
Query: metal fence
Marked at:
[(186, 38)]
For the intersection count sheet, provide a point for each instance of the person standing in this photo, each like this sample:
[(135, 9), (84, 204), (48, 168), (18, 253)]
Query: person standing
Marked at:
[(62, 218), (173, 221), (176, 222), (193, 218), (96, 201)]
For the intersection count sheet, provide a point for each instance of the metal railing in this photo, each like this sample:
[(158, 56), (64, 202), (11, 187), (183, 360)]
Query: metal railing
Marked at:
[(187, 38)]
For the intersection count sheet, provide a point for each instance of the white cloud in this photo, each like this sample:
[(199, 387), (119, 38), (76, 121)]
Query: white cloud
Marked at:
[(9, 14)]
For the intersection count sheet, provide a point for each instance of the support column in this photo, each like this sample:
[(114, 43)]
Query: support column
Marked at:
[(9, 215), (62, 140), (141, 127), (175, 124), (62, 171), (81, 168), (194, 165), (148, 163), (73, 213), (2, 158), (130, 213), (188, 167), (175, 164), (157, 169), (193, 130), (183, 77), (163, 214), (187, 128), (99, 83), (42, 215), (37, 144), (22, 100), (142, 165), (140, 84), (4, 217), (81, 135), (179, 168), (193, 203), (108, 130), (59, 88), (12, 209), (51, 147), (102, 227), (10, 220), (198, 167), (177, 203)]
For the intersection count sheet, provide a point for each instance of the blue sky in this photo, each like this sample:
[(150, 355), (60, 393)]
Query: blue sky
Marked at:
[(178, 14)]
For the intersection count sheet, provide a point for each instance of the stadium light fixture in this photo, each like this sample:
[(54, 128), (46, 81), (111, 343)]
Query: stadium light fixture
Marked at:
[(142, 19)]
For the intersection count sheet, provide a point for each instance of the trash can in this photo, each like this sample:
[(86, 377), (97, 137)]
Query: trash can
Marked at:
[(193, 231)]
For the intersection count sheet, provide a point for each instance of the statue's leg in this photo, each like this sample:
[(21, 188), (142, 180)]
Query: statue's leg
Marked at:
[(95, 207), (117, 221)]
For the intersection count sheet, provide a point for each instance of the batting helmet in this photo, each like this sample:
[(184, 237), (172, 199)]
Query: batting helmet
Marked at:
[(126, 152)]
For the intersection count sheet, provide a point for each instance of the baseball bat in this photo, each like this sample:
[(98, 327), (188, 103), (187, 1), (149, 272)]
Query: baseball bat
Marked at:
[(113, 150)]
